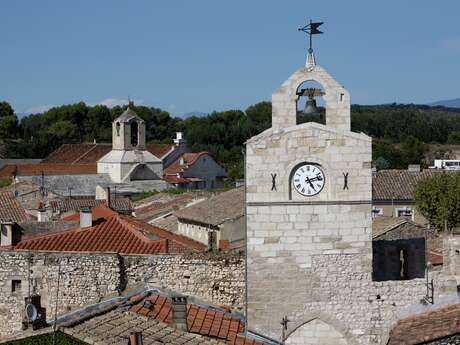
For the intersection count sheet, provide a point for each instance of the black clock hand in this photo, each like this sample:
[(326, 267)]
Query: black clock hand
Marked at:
[(311, 184)]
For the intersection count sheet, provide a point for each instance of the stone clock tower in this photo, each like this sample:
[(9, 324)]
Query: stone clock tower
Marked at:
[(308, 217)]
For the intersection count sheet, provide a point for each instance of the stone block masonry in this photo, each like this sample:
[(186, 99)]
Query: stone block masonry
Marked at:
[(90, 278)]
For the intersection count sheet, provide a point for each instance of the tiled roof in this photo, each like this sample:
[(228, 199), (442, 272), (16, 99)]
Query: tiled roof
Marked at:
[(435, 324), (399, 184), (10, 209), (116, 326), (204, 320), (217, 209), (111, 233), (159, 150), (74, 153), (48, 169), (381, 225), (159, 207), (119, 204), (86, 153), (188, 160)]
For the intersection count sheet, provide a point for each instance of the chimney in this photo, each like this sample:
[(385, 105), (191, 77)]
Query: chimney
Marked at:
[(414, 168), (86, 217), (179, 312), (179, 138), (108, 201), (7, 234), (182, 161), (42, 216), (135, 338)]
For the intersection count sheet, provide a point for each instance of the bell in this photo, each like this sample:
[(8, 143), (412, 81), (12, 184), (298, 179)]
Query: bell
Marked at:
[(310, 107)]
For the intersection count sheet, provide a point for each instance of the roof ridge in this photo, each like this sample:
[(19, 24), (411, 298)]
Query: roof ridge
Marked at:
[(130, 227)]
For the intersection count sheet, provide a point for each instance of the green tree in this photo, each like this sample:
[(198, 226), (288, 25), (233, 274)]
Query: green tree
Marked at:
[(259, 117), (454, 138), (413, 150), (438, 200), (381, 163)]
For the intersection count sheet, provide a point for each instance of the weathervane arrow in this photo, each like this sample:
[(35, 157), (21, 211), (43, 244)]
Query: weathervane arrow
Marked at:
[(312, 29)]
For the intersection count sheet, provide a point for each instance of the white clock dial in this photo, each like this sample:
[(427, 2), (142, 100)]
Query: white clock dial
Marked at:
[(308, 179)]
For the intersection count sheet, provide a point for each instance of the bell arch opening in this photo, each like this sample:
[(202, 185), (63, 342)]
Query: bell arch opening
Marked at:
[(310, 104), (134, 133), (316, 332)]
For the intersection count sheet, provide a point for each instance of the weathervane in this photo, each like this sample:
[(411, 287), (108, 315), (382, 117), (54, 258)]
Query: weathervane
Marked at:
[(311, 29)]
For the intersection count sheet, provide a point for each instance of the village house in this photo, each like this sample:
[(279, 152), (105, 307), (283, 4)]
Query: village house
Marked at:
[(218, 222), (393, 192)]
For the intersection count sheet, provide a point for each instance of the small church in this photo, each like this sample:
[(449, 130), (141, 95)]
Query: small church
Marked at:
[(129, 159), (309, 227)]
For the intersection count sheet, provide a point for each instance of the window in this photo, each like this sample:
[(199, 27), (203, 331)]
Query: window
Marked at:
[(376, 212), (117, 126), (405, 212), (15, 286)]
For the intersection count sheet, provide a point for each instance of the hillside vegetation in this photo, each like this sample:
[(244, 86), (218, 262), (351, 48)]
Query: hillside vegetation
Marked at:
[(401, 132)]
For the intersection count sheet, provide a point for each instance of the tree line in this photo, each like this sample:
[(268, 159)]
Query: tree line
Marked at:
[(400, 132)]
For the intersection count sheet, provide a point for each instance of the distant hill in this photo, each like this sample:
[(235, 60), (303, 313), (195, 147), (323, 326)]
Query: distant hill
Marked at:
[(194, 113), (450, 103)]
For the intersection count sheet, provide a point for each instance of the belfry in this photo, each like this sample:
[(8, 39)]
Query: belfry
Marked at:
[(310, 228)]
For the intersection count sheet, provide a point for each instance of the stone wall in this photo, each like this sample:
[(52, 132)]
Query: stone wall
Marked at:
[(215, 278), (83, 279), (90, 278)]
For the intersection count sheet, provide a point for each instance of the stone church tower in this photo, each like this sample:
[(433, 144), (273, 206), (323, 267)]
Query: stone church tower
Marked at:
[(308, 218), (129, 160)]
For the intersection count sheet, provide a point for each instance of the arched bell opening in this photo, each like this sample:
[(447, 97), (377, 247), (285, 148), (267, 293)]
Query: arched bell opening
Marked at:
[(134, 134), (310, 104)]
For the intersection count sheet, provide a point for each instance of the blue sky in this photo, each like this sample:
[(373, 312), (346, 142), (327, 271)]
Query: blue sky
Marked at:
[(206, 55)]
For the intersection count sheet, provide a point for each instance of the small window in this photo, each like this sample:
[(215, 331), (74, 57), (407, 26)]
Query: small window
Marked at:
[(134, 134), (405, 212), (117, 126), (15, 286)]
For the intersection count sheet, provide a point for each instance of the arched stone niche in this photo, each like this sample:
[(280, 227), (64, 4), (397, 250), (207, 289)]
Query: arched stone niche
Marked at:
[(316, 332), (336, 99)]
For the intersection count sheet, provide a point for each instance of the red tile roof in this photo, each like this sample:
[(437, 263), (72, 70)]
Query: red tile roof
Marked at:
[(10, 209), (188, 158), (159, 150), (86, 153), (207, 321), (48, 169), (435, 324), (111, 233), (73, 153)]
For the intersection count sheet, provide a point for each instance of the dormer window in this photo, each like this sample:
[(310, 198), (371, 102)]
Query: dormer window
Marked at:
[(134, 134), (117, 126)]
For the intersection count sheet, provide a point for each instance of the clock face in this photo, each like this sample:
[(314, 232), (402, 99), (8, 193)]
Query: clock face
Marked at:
[(308, 179)]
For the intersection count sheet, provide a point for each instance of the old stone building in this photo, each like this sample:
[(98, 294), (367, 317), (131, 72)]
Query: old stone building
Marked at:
[(309, 227)]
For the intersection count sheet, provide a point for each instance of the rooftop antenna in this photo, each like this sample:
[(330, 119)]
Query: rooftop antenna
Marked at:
[(311, 29)]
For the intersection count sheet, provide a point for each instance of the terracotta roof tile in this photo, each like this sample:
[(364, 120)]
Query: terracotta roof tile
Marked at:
[(10, 209), (435, 324), (188, 160), (111, 233), (160, 150), (88, 153), (47, 169), (203, 320)]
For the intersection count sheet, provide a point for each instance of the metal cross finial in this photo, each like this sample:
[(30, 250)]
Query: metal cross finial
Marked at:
[(311, 29)]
